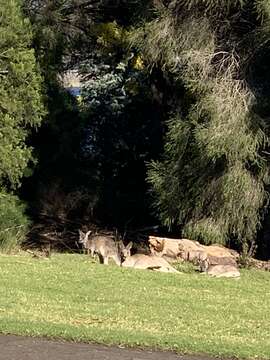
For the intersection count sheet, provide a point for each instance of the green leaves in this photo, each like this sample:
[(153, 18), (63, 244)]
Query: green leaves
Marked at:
[(21, 105), (263, 8), (212, 5), (13, 222), (210, 180)]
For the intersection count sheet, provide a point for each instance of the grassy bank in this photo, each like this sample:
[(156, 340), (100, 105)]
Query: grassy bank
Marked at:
[(70, 297)]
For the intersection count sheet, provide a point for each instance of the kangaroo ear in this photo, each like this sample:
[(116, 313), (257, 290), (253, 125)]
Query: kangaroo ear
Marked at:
[(121, 244), (129, 245)]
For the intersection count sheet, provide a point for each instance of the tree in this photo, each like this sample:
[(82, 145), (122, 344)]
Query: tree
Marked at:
[(21, 112), (212, 177), (117, 112), (122, 127), (21, 107)]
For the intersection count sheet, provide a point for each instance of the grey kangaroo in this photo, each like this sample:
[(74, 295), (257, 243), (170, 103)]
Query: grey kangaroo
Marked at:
[(105, 247)]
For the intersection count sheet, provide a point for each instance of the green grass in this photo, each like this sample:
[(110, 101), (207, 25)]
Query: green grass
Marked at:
[(73, 298)]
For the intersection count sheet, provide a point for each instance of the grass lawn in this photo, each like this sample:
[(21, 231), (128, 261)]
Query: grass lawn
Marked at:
[(73, 298)]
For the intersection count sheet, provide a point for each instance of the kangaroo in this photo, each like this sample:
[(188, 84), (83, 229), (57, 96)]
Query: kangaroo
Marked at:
[(150, 262), (220, 267), (223, 271), (105, 247)]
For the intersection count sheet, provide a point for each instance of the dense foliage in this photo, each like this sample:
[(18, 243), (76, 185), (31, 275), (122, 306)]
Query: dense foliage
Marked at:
[(21, 112), (14, 223), (173, 111), (21, 106), (213, 176), (108, 135), (122, 131)]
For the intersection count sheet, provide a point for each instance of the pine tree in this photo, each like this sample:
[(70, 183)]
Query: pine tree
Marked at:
[(21, 107)]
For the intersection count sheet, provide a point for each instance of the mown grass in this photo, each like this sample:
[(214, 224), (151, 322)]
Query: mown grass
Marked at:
[(73, 298)]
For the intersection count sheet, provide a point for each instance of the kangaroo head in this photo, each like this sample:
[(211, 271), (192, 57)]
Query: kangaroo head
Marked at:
[(124, 250), (204, 263), (83, 236)]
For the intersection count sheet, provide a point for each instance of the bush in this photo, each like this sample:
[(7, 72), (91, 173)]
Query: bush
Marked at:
[(13, 222)]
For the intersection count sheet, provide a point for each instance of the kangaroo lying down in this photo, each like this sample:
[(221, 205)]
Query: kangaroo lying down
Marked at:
[(219, 267), (147, 262), (228, 271)]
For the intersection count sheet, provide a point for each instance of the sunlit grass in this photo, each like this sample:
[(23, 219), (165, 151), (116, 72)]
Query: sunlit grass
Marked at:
[(71, 297)]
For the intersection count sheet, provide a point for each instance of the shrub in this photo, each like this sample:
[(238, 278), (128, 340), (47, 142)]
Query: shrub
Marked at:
[(13, 222)]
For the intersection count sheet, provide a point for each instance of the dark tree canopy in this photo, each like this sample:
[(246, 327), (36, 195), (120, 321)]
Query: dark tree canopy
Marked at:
[(173, 113)]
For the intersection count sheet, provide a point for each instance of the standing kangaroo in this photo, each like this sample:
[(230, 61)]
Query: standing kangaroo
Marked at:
[(105, 247)]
